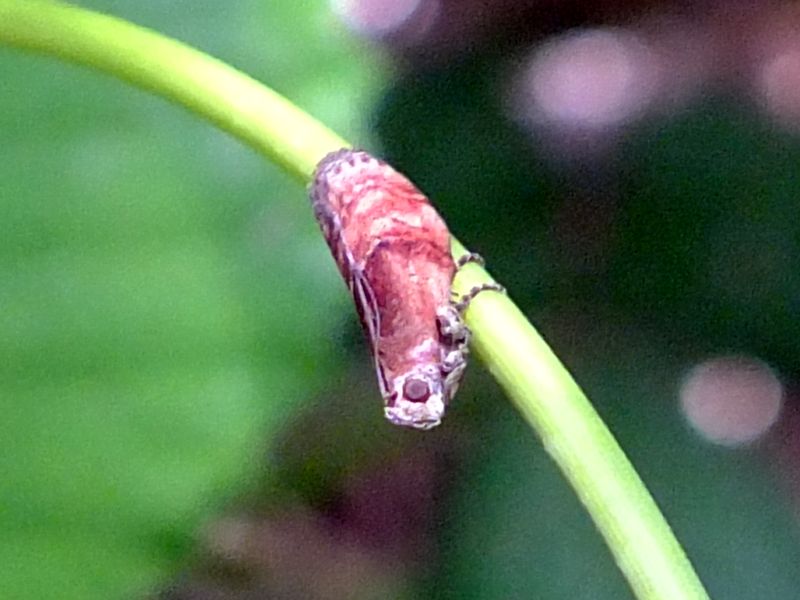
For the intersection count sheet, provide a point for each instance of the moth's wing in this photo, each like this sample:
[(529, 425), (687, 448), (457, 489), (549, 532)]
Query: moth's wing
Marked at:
[(367, 307), (363, 295)]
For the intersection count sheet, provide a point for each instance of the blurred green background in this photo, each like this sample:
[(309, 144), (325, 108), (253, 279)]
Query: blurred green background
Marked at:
[(186, 404)]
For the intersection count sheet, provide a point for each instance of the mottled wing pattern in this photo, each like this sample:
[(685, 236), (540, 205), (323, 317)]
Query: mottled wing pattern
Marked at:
[(327, 209), (393, 250)]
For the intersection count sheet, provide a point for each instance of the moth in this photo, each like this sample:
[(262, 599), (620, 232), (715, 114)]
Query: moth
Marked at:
[(393, 250)]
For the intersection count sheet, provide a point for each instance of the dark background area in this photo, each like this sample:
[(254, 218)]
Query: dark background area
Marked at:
[(187, 410)]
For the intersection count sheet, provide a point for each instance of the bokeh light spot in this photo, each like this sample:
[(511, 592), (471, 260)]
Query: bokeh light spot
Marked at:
[(595, 78), (779, 82), (377, 18), (731, 400)]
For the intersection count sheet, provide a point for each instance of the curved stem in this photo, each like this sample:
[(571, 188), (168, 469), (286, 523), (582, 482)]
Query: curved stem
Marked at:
[(208, 87), (535, 380)]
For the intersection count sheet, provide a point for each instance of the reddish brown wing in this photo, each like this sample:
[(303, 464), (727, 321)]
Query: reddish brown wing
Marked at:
[(327, 204)]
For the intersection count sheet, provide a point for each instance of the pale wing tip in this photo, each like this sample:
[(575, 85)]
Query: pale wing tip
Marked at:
[(334, 163), (338, 170), (417, 415)]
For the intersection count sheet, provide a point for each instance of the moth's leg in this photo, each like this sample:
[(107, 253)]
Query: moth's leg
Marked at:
[(452, 329), (470, 257), (455, 361), (453, 368), (463, 303)]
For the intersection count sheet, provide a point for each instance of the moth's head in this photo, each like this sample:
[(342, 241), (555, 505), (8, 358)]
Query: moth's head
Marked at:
[(417, 398)]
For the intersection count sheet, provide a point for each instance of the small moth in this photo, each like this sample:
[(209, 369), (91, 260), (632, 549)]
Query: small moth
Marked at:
[(393, 250)]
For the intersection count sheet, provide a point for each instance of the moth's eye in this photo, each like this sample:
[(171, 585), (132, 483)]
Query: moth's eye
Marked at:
[(416, 390)]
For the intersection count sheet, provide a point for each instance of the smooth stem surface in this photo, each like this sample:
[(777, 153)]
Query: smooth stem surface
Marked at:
[(233, 101), (536, 381)]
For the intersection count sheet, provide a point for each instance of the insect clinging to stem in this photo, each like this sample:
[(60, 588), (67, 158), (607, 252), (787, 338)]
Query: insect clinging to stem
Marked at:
[(393, 250)]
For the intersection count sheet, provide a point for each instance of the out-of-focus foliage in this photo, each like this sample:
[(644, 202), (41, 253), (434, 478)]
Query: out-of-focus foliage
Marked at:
[(536, 540), (156, 321), (700, 260)]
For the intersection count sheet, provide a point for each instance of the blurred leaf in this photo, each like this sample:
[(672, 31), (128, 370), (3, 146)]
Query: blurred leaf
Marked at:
[(709, 240), (703, 247), (522, 534), (164, 301)]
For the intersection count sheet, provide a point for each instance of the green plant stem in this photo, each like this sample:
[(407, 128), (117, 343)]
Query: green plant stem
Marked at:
[(208, 87), (535, 380)]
